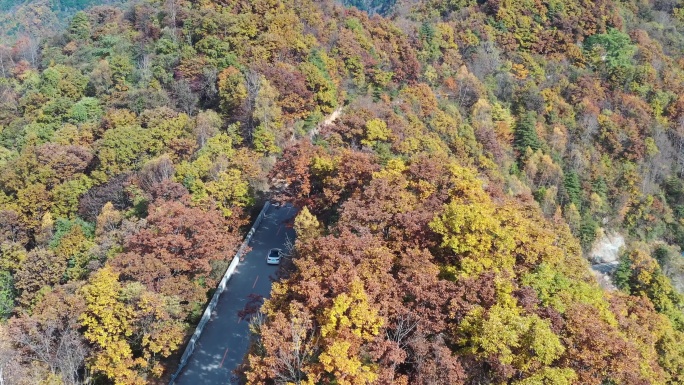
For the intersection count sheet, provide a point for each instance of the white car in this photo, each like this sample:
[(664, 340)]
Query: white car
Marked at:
[(273, 257)]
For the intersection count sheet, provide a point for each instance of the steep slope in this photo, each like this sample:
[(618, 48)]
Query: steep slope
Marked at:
[(480, 147), (32, 20)]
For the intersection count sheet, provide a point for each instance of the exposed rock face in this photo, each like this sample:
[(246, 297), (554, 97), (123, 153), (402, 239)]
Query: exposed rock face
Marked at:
[(606, 249), (604, 257), (604, 279)]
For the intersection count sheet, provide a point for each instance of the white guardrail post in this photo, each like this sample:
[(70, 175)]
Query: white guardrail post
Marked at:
[(219, 290)]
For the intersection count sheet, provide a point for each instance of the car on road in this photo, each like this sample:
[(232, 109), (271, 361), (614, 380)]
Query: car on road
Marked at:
[(273, 257)]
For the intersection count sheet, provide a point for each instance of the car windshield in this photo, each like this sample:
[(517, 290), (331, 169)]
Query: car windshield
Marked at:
[(273, 254)]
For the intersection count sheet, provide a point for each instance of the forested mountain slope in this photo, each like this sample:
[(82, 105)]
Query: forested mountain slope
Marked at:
[(480, 148), (29, 21)]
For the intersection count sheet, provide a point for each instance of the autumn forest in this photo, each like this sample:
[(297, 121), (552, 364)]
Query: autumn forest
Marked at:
[(455, 164)]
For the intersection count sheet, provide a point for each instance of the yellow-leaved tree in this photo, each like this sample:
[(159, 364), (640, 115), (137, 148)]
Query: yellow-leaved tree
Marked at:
[(523, 341), (471, 226), (306, 225), (108, 323), (348, 323)]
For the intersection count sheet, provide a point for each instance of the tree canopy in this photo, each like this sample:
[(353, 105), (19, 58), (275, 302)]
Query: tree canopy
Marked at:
[(453, 164)]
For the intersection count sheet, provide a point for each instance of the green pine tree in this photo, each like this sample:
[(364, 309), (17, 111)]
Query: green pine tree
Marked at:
[(572, 187), (7, 295), (79, 27), (526, 133)]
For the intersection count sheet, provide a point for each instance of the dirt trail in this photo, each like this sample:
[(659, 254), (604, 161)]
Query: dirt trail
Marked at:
[(327, 121)]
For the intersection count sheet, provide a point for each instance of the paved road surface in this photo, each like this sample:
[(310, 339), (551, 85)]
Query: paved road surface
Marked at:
[(225, 338)]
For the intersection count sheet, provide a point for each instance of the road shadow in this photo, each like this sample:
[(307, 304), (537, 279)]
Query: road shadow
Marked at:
[(226, 338)]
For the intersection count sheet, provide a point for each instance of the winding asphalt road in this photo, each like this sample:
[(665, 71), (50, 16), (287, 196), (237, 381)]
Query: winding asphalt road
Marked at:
[(225, 339)]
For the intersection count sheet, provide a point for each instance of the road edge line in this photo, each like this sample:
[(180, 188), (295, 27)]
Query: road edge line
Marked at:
[(190, 348)]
